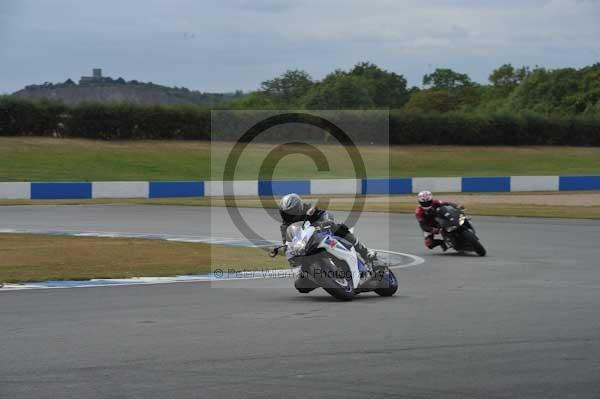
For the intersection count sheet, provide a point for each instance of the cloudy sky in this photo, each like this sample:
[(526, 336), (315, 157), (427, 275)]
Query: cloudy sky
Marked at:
[(223, 45)]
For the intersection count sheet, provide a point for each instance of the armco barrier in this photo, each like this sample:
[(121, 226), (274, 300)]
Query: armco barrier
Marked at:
[(571, 183), (239, 187), (120, 189), (162, 189), (387, 186), (485, 184), (282, 187), (61, 190), (335, 186), (15, 190), (437, 184), (534, 183)]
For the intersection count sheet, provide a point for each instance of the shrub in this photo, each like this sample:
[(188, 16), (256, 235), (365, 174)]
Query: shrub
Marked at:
[(130, 121)]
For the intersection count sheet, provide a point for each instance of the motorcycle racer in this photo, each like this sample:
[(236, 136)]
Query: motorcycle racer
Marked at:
[(293, 209), (425, 214)]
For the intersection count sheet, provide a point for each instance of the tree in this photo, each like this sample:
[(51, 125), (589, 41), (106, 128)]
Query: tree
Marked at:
[(433, 100), (547, 91), (506, 76), (288, 87), (340, 91), (387, 89), (444, 78), (254, 100)]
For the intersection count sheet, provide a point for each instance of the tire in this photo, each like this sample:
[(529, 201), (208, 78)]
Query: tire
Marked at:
[(340, 294), (304, 285), (473, 241), (338, 286), (345, 293), (392, 287)]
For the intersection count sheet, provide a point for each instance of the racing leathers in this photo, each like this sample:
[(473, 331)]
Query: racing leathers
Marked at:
[(426, 218)]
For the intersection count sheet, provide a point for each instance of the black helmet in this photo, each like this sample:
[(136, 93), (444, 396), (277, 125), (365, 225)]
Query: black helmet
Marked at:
[(292, 204)]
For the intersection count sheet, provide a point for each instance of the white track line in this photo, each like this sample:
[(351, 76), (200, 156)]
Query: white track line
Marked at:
[(260, 274), (417, 260)]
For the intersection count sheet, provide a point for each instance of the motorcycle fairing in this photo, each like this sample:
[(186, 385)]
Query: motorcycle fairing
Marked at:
[(335, 248)]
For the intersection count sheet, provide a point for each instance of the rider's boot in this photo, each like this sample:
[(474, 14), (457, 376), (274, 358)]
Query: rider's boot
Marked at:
[(439, 243), (367, 254)]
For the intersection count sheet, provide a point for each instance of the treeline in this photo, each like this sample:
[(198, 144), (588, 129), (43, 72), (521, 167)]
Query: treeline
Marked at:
[(565, 91), (113, 121), (127, 121)]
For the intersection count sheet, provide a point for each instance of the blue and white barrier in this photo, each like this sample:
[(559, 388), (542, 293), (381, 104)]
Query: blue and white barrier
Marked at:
[(61, 190), (15, 190), (572, 183), (387, 186), (235, 188), (485, 184), (283, 187), (167, 189), (336, 186), (120, 189), (534, 183), (437, 184), (171, 189)]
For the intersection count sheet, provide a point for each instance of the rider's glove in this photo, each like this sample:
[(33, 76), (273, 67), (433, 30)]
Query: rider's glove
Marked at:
[(311, 211), (435, 231)]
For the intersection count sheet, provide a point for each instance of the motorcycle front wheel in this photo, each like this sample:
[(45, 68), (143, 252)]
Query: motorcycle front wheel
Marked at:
[(335, 282), (341, 288), (472, 240)]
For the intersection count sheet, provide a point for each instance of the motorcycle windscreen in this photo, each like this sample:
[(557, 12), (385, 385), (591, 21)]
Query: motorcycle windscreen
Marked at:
[(293, 232), (297, 238)]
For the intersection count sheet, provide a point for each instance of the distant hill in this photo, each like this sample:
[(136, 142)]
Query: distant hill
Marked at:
[(99, 88)]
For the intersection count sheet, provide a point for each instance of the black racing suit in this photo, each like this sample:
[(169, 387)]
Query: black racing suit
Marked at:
[(427, 222), (321, 216)]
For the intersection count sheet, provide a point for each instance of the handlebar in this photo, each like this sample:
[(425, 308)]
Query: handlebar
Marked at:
[(274, 251)]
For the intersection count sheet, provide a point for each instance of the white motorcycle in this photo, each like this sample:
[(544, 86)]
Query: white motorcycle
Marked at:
[(329, 262)]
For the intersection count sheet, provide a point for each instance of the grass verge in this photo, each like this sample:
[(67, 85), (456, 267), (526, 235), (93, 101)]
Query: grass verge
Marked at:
[(46, 159), (35, 257), (572, 205)]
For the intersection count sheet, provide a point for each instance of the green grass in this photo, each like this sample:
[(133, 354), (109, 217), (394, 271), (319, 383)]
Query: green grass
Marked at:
[(35, 257), (46, 159)]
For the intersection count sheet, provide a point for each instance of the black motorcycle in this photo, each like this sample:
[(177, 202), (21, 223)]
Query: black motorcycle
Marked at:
[(457, 230)]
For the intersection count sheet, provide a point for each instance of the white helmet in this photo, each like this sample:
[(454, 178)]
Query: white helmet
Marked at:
[(425, 199), (292, 204)]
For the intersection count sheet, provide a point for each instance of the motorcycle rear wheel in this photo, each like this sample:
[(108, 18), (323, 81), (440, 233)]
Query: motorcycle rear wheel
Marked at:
[(392, 285)]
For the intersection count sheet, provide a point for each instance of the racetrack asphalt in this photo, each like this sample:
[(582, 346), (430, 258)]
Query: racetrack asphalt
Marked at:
[(523, 322)]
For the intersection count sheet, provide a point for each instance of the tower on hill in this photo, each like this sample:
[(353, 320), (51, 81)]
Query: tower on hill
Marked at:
[(96, 77)]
